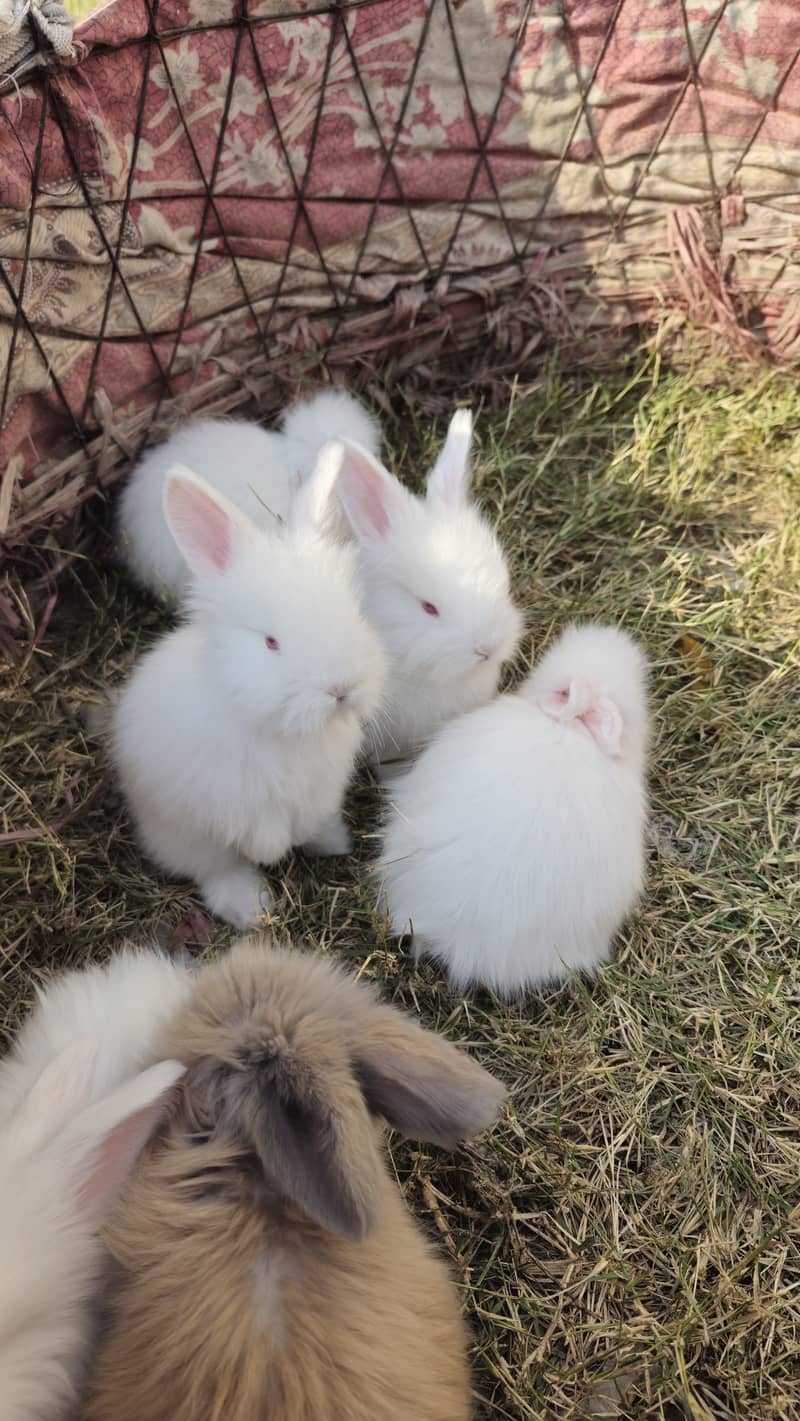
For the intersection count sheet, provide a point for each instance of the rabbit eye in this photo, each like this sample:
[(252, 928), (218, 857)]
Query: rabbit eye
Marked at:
[(430, 609), (272, 643)]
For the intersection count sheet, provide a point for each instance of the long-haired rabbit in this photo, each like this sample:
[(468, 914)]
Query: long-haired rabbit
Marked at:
[(64, 1156), (435, 584), (266, 1266), (123, 1005), (236, 736), (251, 466), (514, 847)]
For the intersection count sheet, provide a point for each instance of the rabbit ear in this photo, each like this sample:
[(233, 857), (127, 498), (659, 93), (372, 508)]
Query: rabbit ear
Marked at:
[(94, 1143), (449, 477), (421, 1084), (319, 1155), (599, 714), (108, 1137), (371, 497), (206, 526), (310, 505), (62, 1090)]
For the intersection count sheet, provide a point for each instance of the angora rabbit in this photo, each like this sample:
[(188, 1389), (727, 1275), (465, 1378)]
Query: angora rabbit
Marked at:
[(236, 736), (123, 1005), (253, 467), (435, 584), (432, 575), (266, 1265), (514, 848), (64, 1156)]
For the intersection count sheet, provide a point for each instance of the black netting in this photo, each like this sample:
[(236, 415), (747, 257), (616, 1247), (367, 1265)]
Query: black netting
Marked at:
[(219, 202)]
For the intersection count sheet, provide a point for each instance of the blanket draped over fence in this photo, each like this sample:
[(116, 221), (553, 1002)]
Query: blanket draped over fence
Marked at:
[(213, 201)]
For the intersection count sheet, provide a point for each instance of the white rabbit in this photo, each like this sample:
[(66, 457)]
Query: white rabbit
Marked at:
[(123, 1004), (64, 1156), (432, 575), (236, 736), (328, 415), (514, 847), (435, 585), (253, 467)]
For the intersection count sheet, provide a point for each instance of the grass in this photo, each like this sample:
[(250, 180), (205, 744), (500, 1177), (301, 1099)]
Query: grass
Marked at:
[(627, 1241)]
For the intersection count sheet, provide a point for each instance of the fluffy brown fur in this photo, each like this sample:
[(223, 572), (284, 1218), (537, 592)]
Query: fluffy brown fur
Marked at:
[(267, 1267)]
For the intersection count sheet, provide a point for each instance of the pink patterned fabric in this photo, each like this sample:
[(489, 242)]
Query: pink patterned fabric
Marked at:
[(228, 189)]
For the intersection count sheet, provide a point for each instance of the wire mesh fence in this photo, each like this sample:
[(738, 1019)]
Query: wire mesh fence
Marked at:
[(214, 201)]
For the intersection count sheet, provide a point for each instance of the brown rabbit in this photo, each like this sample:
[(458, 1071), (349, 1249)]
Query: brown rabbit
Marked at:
[(267, 1268)]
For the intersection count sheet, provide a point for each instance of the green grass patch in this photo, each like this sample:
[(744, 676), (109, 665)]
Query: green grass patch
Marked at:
[(637, 1214)]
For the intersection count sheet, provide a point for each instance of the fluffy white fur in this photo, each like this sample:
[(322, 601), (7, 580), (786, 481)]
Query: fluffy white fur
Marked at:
[(435, 551), (330, 414), (64, 1156), (253, 467), (514, 848), (123, 1004), (230, 752), (417, 554)]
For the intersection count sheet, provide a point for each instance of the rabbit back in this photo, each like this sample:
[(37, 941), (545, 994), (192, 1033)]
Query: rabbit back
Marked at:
[(513, 848), (274, 1326), (266, 1264), (239, 458)]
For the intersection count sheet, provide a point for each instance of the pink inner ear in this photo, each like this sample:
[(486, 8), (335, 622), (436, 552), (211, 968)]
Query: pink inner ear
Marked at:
[(604, 723), (600, 716), (374, 510), (107, 1173), (114, 1159), (567, 703), (365, 494), (202, 528)]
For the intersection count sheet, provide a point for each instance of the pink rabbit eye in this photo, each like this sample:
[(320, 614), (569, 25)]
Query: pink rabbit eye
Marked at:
[(272, 643), (430, 609)]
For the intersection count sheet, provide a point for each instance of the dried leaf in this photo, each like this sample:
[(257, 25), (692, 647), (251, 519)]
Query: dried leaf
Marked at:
[(697, 659), (194, 926)]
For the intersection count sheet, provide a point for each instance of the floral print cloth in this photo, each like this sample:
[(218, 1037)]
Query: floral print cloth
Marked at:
[(216, 188)]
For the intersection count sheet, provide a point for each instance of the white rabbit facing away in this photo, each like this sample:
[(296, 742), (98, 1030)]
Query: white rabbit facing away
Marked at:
[(123, 1004), (64, 1156), (514, 847), (236, 736), (251, 466), (436, 586)]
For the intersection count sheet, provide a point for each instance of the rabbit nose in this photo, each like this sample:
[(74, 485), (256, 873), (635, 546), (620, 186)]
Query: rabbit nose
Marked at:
[(340, 694), (485, 652)]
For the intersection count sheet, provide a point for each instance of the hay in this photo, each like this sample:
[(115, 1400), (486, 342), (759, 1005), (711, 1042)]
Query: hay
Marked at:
[(636, 1216)]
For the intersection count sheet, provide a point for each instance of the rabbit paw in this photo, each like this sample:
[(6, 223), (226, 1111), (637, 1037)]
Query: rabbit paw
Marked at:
[(238, 895), (332, 839)]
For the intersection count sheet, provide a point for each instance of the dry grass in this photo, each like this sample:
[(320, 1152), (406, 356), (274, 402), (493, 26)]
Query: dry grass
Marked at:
[(636, 1216)]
